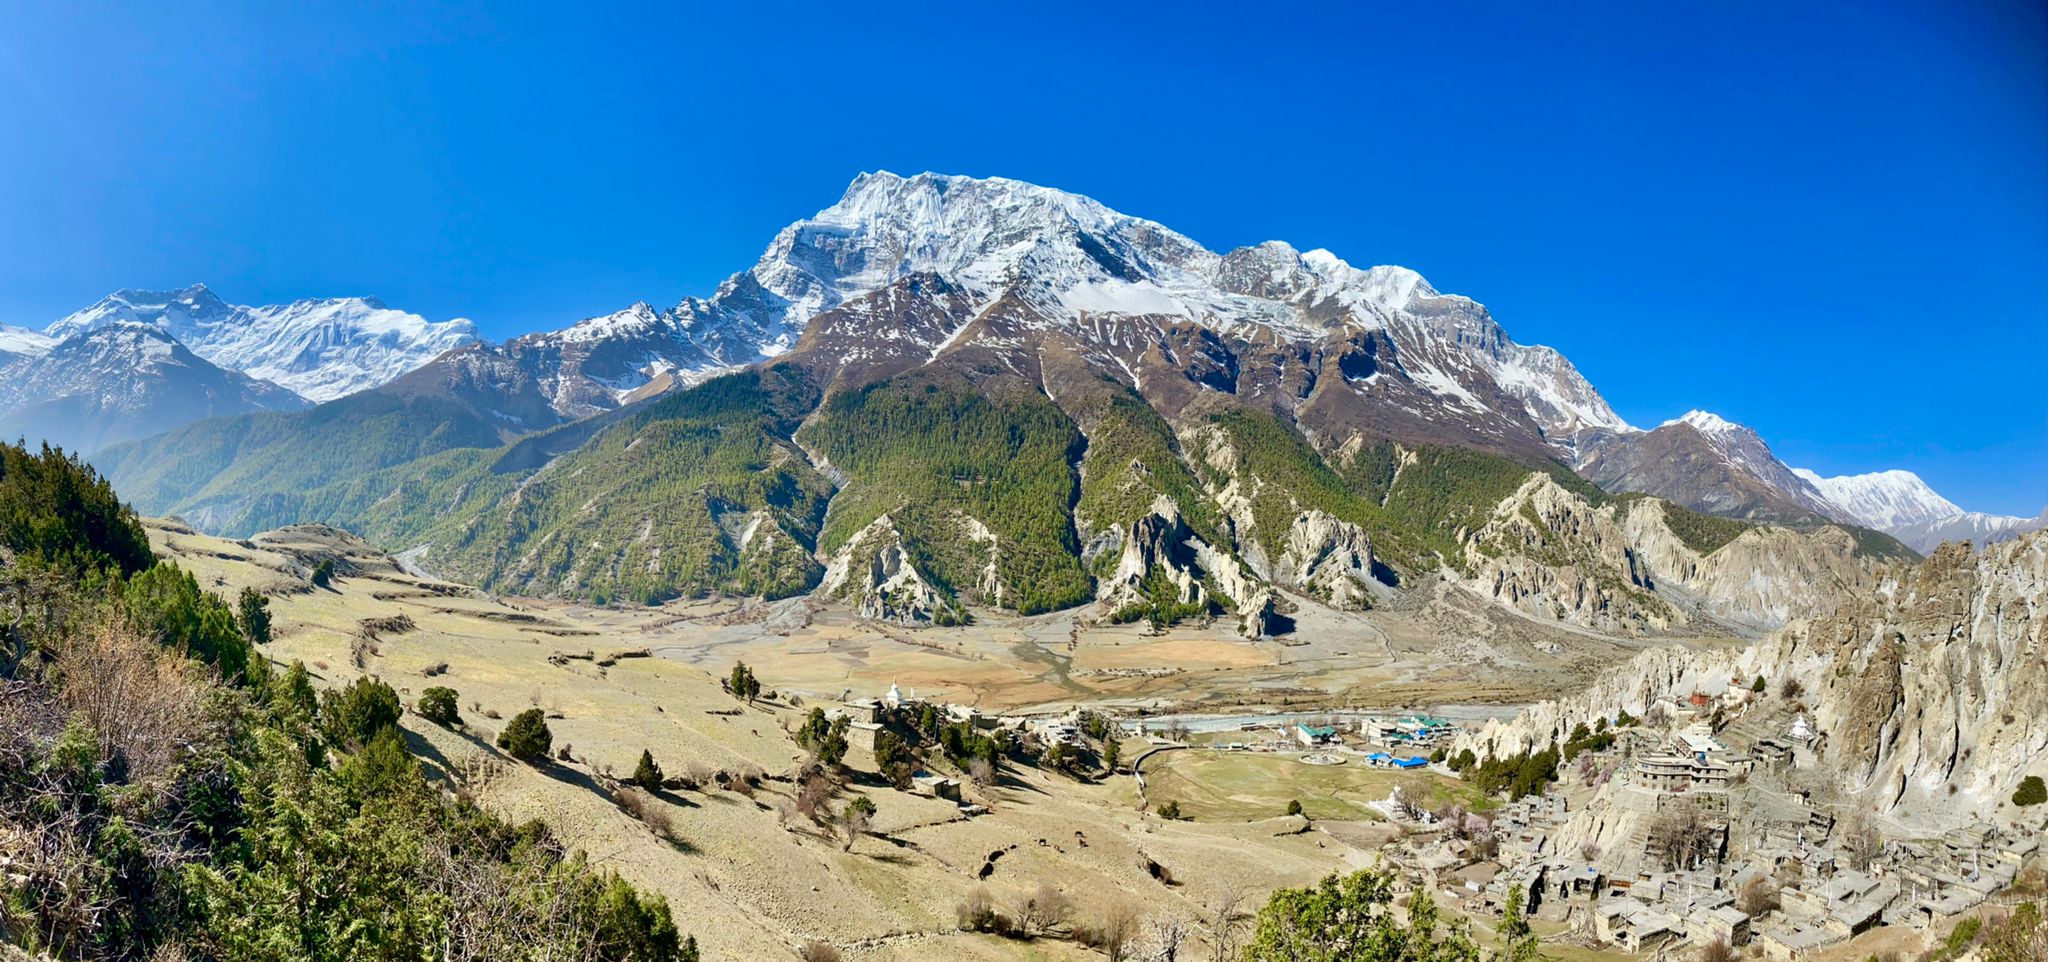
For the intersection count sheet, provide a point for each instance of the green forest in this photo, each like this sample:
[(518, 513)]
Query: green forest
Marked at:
[(932, 449)]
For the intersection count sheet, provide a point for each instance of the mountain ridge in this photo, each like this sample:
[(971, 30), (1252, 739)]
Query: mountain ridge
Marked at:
[(945, 392), (119, 382), (318, 348)]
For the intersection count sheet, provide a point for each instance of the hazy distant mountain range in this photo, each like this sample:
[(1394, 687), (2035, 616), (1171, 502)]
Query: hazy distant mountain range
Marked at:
[(949, 391)]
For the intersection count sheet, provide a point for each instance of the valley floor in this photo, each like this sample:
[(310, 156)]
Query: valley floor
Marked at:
[(1445, 649)]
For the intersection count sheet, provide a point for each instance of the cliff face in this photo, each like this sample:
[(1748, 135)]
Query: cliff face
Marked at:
[(1931, 685), (1934, 693), (1622, 567)]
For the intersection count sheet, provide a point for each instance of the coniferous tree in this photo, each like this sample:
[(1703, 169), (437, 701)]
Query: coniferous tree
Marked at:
[(527, 737), (647, 774), (252, 615), (438, 705)]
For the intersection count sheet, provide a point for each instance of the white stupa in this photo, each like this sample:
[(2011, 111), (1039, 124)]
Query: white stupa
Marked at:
[(895, 696), (1800, 730)]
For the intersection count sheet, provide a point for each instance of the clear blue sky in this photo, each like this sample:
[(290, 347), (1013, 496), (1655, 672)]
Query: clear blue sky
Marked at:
[(1829, 222)]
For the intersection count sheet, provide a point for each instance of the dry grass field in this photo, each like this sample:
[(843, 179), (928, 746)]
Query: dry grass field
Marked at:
[(746, 874)]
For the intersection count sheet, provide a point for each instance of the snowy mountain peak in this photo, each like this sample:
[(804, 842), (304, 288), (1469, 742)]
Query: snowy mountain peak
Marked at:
[(319, 348), (174, 310), (1707, 422), (1069, 258), (1883, 499), (119, 380), (633, 321)]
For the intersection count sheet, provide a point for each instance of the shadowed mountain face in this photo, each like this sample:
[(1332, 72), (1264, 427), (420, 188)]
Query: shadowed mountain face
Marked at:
[(120, 382), (956, 392), (1705, 464)]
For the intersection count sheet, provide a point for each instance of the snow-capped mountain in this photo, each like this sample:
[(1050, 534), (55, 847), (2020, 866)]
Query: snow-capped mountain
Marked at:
[(18, 342), (1075, 263), (1900, 504), (1882, 499), (320, 348), (1976, 527), (1229, 422), (119, 381), (1005, 266)]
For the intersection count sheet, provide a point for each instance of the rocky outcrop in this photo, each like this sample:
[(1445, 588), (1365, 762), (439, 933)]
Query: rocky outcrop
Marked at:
[(1932, 691), (873, 572), (1928, 685), (1329, 558), (1620, 567), (1160, 546), (1548, 552)]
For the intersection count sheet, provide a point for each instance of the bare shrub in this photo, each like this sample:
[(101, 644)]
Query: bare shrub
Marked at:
[(981, 772), (1041, 910), (1226, 918), (1716, 951), (1858, 840), (1687, 836), (1758, 895), (146, 705), (1162, 938), (701, 773), (647, 809), (1116, 930), (812, 796), (815, 951), (977, 913)]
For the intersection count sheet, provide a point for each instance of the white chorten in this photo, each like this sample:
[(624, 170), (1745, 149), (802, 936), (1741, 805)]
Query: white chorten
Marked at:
[(1800, 730)]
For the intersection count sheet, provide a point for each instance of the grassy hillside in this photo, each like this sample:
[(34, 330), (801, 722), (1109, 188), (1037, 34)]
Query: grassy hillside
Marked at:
[(225, 462), (398, 505), (932, 449), (699, 493)]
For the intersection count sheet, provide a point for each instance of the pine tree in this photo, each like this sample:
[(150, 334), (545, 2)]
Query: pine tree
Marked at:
[(527, 738), (252, 614), (647, 774)]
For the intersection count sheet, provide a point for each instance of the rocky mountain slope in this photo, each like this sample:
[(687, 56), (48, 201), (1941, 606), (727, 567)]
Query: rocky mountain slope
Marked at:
[(320, 349), (1928, 687), (1705, 463), (118, 382), (1635, 566)]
